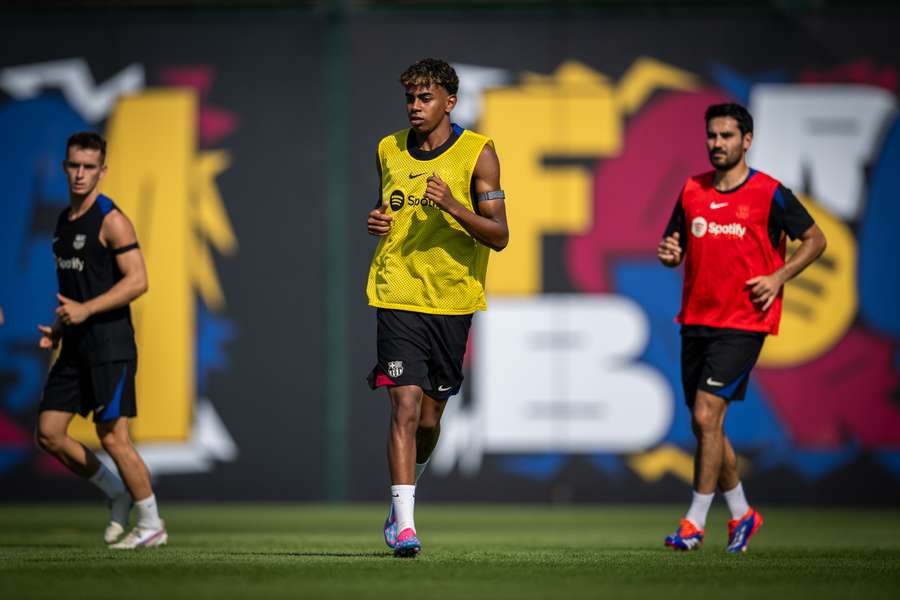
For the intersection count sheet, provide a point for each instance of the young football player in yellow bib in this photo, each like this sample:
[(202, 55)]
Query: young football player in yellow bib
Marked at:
[(439, 214)]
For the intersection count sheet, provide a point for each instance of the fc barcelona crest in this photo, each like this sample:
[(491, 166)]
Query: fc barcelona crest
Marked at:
[(395, 368), (78, 244)]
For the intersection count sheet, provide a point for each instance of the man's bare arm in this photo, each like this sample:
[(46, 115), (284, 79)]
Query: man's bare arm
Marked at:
[(764, 288), (118, 233)]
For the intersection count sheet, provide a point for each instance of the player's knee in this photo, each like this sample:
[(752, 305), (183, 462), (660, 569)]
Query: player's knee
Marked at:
[(112, 443), (705, 421), (405, 415), (406, 420)]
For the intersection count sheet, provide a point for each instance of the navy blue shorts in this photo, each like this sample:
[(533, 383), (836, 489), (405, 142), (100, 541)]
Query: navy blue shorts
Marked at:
[(719, 362), (106, 389)]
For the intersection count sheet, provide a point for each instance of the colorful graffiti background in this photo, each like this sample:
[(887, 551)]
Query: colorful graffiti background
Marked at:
[(167, 187), (222, 159), (601, 169)]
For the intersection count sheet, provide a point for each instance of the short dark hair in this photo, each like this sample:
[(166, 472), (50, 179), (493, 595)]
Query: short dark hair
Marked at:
[(733, 110), (428, 71), (89, 140)]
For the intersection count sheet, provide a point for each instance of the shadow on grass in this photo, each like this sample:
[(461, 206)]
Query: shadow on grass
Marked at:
[(316, 554)]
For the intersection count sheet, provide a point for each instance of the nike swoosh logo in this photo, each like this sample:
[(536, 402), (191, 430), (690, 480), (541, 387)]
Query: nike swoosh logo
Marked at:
[(411, 176), (715, 205), (711, 381), (445, 389)]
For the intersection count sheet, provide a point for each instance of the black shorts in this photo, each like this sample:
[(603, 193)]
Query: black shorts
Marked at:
[(106, 389), (421, 349), (718, 362)]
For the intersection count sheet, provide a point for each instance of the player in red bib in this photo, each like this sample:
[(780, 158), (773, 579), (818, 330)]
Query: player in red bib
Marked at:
[(729, 227)]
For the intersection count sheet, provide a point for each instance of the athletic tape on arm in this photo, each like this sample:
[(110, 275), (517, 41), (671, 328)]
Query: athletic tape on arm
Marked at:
[(495, 195)]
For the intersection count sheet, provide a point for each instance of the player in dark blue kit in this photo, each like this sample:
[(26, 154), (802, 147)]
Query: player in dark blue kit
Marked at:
[(100, 270)]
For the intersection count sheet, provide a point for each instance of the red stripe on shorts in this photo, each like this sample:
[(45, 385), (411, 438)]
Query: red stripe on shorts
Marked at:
[(382, 379)]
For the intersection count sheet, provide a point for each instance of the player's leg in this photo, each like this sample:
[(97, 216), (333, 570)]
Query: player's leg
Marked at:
[(115, 403), (406, 404), (728, 476), (429, 431), (448, 337), (745, 521), (63, 396), (69, 391), (402, 352), (707, 423), (730, 357), (149, 530), (734, 357), (688, 536), (707, 419), (53, 438), (116, 442), (731, 488)]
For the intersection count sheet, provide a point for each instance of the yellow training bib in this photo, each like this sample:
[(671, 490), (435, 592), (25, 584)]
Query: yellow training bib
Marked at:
[(428, 263)]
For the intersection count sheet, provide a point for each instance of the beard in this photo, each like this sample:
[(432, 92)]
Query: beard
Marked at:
[(724, 162)]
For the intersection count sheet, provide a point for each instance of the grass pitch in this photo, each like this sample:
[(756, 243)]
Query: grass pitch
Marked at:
[(494, 552)]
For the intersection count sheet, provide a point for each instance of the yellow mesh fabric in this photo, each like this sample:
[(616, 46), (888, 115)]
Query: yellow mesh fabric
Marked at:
[(428, 262)]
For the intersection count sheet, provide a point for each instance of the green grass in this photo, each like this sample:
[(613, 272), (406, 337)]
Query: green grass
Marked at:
[(496, 552)]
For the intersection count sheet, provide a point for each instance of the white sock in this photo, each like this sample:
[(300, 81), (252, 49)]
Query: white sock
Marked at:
[(699, 508), (147, 513), (737, 502), (403, 499), (108, 482), (420, 468)]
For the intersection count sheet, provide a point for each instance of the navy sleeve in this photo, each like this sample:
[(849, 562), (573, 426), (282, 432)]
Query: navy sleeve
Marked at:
[(676, 223), (787, 215)]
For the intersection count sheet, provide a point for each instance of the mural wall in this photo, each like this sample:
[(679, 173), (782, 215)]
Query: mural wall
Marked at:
[(573, 389), (204, 145), (574, 385)]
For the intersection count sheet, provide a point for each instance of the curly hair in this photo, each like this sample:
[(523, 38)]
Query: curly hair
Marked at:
[(431, 71)]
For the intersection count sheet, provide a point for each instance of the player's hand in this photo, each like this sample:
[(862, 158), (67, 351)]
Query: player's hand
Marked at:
[(439, 192), (71, 312), (669, 250), (49, 337), (764, 289), (379, 222)]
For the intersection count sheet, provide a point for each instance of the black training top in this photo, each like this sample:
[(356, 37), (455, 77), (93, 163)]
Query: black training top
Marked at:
[(85, 268)]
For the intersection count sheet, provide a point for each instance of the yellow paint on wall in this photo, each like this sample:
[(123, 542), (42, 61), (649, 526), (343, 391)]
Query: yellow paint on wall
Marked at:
[(647, 75), (211, 224), (548, 131), (571, 114), (152, 142), (655, 464), (819, 304)]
